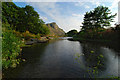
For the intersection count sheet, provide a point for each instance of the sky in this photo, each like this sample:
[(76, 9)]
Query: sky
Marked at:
[(68, 15)]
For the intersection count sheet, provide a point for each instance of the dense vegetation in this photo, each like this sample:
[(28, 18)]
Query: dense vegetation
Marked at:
[(94, 26), (23, 19), (10, 49), (18, 24)]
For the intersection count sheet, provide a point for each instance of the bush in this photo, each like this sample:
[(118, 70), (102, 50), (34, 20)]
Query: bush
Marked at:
[(27, 35), (10, 49)]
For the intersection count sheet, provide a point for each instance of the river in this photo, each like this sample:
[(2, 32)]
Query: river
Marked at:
[(66, 59)]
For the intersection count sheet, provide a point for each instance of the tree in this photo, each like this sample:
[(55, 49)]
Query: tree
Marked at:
[(23, 19), (32, 18), (100, 17), (9, 13)]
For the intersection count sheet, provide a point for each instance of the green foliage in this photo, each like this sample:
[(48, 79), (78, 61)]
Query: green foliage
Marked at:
[(100, 17), (43, 29), (9, 13), (23, 19), (92, 51), (72, 33), (10, 48)]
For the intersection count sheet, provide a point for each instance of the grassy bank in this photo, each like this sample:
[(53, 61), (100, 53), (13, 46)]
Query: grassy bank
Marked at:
[(12, 43)]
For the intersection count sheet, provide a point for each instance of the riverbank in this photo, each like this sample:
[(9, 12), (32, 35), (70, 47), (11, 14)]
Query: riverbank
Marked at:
[(39, 40), (13, 42), (90, 40)]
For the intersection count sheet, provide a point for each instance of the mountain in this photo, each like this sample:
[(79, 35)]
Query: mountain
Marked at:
[(55, 30)]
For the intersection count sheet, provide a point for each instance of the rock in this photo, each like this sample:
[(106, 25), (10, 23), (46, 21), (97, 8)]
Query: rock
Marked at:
[(55, 30), (35, 40), (42, 40), (29, 43)]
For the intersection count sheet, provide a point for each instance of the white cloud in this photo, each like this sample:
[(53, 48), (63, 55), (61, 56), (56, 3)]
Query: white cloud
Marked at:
[(79, 3), (114, 9), (87, 7), (43, 18), (114, 4), (82, 4), (95, 2), (116, 18), (69, 23), (52, 10), (77, 15)]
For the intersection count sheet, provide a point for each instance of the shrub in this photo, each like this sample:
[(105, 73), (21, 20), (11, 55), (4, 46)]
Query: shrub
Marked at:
[(27, 35), (10, 49)]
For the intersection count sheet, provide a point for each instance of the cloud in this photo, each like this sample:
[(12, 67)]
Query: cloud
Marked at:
[(43, 18), (77, 15), (95, 2), (82, 4), (114, 4), (69, 23), (114, 9), (79, 3), (54, 12), (87, 7)]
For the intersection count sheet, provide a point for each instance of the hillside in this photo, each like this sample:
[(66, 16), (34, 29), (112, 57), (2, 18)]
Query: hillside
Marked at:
[(55, 30)]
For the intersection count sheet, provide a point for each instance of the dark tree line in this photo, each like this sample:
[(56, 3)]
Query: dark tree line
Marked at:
[(23, 19)]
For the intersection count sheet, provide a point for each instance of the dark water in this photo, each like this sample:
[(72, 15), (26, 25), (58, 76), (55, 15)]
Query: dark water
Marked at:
[(66, 59)]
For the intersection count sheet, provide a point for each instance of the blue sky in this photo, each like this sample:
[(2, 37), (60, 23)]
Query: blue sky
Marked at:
[(68, 15)]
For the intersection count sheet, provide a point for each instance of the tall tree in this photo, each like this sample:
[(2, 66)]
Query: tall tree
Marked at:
[(100, 17)]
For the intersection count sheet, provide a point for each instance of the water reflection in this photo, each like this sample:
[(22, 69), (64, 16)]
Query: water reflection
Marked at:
[(100, 60), (66, 59), (112, 62)]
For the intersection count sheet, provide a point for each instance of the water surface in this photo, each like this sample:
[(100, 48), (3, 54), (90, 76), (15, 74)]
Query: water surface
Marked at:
[(66, 59)]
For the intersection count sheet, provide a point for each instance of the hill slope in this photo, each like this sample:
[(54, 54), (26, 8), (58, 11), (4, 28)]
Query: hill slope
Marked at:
[(55, 30)]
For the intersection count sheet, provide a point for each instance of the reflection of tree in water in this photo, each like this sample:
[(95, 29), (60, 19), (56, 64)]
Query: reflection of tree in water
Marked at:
[(94, 58)]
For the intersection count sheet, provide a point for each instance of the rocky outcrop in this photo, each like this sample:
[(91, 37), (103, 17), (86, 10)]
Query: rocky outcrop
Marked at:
[(55, 30)]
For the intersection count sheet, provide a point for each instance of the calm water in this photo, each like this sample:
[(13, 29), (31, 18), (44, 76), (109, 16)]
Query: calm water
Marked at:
[(66, 59)]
